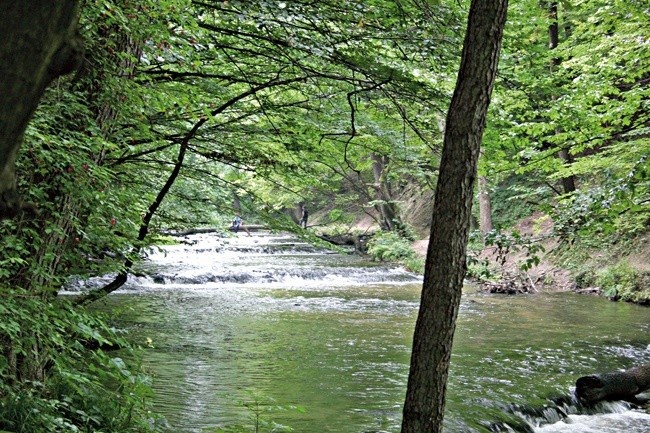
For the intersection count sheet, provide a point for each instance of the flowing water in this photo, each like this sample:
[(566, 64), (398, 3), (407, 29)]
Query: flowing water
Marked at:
[(243, 325)]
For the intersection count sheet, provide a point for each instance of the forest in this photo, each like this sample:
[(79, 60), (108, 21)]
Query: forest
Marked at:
[(171, 115)]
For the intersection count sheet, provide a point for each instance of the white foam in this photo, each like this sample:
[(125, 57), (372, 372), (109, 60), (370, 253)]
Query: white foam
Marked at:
[(631, 421)]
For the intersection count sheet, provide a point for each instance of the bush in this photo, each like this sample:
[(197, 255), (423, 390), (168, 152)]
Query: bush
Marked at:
[(55, 378), (479, 269), (618, 282), (621, 282), (390, 246), (614, 209)]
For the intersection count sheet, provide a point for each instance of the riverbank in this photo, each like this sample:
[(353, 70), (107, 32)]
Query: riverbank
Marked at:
[(618, 269), (619, 272)]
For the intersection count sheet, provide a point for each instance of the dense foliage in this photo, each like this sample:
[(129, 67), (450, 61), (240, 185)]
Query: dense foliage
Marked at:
[(569, 133), (587, 97), (55, 375)]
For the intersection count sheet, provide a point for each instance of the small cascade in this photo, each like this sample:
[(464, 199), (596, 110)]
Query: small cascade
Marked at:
[(332, 332), (212, 262), (566, 414)]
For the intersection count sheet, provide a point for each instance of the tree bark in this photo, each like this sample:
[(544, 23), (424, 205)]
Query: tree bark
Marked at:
[(568, 183), (385, 206), (445, 264), (116, 50), (38, 42)]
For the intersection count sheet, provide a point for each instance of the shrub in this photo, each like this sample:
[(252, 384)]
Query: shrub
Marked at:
[(390, 246), (54, 377), (479, 269), (618, 282), (621, 282)]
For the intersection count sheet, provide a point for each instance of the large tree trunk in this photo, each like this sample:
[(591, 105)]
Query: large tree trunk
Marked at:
[(38, 42), (445, 265), (69, 214)]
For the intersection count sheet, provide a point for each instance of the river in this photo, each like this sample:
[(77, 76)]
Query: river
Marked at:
[(268, 328)]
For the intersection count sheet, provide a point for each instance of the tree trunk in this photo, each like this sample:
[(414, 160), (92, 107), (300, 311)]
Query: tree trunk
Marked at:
[(38, 42), (236, 204), (70, 215), (484, 205), (445, 265), (568, 183), (384, 206)]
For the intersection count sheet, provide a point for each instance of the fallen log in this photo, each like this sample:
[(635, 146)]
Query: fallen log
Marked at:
[(619, 385), (360, 242)]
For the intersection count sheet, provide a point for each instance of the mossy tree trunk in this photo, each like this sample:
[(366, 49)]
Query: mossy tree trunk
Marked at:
[(62, 224)]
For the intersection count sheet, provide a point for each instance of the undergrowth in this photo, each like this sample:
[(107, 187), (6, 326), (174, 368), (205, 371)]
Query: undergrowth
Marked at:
[(618, 282), (608, 268), (56, 374), (390, 246)]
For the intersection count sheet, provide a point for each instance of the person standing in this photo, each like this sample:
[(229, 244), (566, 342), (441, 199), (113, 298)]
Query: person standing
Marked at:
[(303, 218)]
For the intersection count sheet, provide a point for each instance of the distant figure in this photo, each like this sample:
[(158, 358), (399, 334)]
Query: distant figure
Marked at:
[(303, 219), (238, 223)]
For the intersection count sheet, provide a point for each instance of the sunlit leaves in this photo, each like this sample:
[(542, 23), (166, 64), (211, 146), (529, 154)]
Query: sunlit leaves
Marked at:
[(329, 51), (593, 101)]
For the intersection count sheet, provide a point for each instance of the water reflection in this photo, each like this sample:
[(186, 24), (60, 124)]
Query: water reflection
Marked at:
[(339, 345)]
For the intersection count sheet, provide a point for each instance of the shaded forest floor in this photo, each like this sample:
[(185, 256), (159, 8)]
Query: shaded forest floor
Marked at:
[(579, 269)]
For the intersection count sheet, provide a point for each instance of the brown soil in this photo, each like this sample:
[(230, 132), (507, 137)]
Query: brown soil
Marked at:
[(421, 246), (549, 277), (543, 277)]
